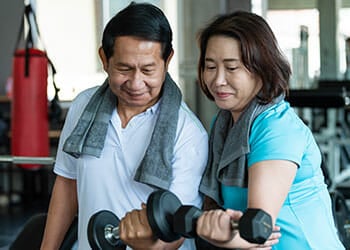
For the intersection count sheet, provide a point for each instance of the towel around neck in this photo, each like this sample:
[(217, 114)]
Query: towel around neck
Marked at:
[(228, 147), (88, 136)]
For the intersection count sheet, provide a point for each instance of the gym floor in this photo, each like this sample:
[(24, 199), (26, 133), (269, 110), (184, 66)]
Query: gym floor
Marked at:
[(14, 217), (28, 199)]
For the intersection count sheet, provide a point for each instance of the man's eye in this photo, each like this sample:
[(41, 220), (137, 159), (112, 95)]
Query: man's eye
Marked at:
[(123, 69), (147, 71)]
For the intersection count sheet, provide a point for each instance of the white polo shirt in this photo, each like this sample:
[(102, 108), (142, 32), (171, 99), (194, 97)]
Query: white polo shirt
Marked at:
[(107, 183)]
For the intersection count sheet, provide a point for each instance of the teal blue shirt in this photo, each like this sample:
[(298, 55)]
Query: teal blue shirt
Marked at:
[(305, 218)]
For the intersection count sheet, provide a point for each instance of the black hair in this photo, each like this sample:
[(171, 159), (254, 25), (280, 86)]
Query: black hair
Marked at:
[(260, 52), (142, 20)]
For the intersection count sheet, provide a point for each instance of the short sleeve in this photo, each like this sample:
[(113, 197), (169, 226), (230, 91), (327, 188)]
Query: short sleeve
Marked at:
[(278, 134), (66, 164)]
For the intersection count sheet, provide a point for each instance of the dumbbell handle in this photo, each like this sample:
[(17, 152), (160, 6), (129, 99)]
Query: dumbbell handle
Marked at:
[(254, 232), (234, 225), (112, 234)]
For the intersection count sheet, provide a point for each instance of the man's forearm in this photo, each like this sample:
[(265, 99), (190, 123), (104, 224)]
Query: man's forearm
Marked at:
[(62, 209)]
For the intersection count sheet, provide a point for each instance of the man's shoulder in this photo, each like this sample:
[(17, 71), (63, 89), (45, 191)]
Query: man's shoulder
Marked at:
[(189, 118), (81, 100), (86, 94)]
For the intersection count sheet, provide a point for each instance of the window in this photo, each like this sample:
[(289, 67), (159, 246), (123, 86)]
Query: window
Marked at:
[(287, 25), (344, 33), (72, 31), (68, 30)]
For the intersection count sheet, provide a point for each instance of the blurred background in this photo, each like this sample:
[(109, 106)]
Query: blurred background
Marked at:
[(313, 34)]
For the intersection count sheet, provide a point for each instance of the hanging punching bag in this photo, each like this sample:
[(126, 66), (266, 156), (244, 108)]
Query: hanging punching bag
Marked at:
[(29, 106), (29, 124)]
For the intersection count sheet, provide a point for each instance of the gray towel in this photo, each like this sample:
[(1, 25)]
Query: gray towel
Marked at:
[(228, 147), (156, 168), (89, 135)]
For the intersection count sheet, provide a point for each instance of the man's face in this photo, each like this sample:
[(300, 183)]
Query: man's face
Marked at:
[(136, 72)]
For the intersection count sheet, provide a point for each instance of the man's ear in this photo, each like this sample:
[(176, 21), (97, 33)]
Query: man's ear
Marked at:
[(103, 58), (169, 59)]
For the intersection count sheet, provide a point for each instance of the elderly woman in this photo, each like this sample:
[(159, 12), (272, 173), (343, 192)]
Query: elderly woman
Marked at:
[(261, 155)]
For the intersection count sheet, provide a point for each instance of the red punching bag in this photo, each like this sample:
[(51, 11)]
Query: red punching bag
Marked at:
[(29, 124), (29, 106)]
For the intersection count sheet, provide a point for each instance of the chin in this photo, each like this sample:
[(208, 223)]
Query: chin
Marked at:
[(223, 105)]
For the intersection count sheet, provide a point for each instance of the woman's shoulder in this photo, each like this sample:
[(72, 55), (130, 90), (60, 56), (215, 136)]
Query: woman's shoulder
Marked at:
[(280, 118), (279, 114)]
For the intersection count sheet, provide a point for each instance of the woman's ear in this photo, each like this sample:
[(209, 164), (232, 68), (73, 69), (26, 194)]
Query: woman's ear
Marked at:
[(103, 58)]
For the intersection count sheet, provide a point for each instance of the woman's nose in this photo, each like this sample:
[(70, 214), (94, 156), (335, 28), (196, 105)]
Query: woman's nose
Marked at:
[(220, 78)]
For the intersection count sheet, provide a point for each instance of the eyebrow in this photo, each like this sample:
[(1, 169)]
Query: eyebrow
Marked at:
[(152, 64), (225, 60), (121, 64)]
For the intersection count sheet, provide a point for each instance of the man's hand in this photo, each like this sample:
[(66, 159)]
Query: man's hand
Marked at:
[(135, 231)]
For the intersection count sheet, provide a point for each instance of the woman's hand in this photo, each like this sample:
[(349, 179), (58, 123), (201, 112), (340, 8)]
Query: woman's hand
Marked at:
[(215, 227), (272, 240)]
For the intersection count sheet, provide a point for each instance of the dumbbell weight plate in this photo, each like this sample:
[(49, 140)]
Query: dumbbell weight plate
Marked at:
[(161, 206), (255, 226), (97, 231)]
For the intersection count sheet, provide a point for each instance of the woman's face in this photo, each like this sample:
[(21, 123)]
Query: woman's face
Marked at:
[(228, 80)]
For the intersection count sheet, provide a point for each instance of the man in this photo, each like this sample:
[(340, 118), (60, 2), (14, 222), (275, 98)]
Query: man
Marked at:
[(128, 137)]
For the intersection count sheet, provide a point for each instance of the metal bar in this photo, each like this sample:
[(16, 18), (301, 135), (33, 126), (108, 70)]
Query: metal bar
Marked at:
[(27, 159)]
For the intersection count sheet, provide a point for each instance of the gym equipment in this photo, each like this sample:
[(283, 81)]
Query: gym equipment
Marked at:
[(29, 126), (103, 227), (324, 109), (254, 226), (341, 216), (29, 106), (30, 236), (318, 98), (103, 231), (170, 220), (340, 209), (27, 160)]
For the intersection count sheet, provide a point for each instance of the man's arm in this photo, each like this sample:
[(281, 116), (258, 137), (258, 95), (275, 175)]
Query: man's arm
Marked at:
[(63, 207)]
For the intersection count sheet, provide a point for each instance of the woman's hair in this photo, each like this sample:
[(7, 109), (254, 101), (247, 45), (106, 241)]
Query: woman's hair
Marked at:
[(260, 52), (141, 20)]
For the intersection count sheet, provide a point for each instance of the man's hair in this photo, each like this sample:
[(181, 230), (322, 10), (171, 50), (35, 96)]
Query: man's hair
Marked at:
[(141, 20)]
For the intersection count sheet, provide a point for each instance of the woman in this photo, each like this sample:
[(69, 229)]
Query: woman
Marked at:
[(261, 153)]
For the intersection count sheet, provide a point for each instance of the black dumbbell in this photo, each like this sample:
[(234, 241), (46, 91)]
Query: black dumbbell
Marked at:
[(255, 226), (170, 220), (103, 231), (103, 227)]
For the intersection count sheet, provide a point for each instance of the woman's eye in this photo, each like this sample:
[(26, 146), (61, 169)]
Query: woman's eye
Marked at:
[(231, 68), (210, 67)]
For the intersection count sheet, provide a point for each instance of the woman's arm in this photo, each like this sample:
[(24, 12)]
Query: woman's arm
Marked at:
[(268, 186), (269, 183)]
